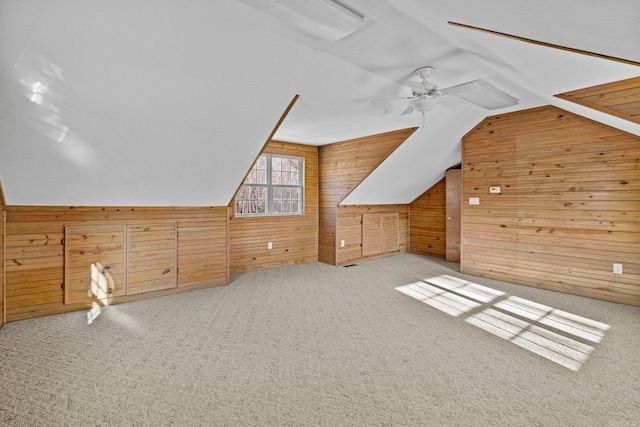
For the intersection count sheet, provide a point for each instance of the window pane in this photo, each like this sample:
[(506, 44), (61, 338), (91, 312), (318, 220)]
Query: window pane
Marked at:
[(277, 206), (262, 193), (295, 178), (286, 194), (286, 206), (277, 193), (286, 165), (261, 208), (262, 177), (295, 206), (241, 192), (275, 163), (295, 194), (276, 178), (262, 163)]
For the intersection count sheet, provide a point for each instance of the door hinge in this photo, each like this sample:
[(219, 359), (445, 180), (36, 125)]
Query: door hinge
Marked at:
[(62, 241), (62, 286)]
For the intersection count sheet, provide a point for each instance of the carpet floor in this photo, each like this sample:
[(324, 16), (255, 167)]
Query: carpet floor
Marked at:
[(405, 340)]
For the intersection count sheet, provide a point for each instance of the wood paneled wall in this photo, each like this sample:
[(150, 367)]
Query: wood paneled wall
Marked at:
[(3, 206), (569, 206), (428, 226), (621, 98), (34, 254), (294, 238), (349, 228), (342, 166)]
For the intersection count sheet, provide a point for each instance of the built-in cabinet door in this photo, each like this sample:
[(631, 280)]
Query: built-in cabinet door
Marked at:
[(151, 258), (94, 263), (390, 232), (380, 233), (453, 182), (102, 262), (371, 230)]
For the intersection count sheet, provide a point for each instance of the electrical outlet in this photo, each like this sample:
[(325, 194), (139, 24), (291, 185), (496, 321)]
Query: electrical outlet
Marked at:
[(269, 245), (494, 190), (342, 243), (617, 268), (474, 200)]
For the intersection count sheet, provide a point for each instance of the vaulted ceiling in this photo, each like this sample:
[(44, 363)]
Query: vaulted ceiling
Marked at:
[(166, 102)]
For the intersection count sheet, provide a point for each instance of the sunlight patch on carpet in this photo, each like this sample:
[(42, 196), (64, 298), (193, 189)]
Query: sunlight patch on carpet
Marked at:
[(548, 332)]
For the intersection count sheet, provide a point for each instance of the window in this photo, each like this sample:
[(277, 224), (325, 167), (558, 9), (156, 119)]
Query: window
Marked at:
[(273, 187)]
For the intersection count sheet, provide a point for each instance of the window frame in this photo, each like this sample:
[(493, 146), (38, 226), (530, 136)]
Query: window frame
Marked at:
[(269, 185)]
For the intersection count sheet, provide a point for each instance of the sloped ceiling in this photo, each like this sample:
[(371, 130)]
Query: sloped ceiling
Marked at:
[(141, 102)]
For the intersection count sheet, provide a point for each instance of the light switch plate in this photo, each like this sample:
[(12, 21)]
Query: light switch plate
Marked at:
[(474, 200)]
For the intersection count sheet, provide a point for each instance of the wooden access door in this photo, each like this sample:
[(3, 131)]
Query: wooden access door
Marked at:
[(453, 182), (380, 233), (94, 263), (151, 257)]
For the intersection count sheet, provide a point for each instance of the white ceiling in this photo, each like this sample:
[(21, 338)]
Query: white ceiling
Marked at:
[(165, 102)]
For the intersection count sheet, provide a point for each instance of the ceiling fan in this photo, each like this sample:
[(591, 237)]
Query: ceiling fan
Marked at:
[(425, 94)]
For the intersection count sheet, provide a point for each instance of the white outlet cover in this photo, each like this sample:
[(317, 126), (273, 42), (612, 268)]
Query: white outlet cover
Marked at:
[(617, 268), (494, 190), (474, 200)]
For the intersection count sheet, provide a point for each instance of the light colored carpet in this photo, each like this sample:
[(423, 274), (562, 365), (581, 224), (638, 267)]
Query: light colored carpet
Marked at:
[(317, 345)]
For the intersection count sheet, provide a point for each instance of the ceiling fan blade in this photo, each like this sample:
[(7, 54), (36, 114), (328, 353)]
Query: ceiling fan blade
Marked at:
[(481, 93), (454, 90), (392, 99), (409, 110), (452, 102)]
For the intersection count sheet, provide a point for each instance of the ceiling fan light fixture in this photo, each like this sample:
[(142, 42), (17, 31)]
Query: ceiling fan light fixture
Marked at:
[(325, 19), (423, 104)]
